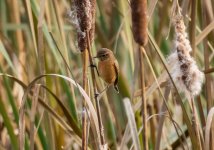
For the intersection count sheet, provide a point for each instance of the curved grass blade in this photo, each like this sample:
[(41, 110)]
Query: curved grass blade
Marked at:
[(55, 116), (70, 119), (132, 123)]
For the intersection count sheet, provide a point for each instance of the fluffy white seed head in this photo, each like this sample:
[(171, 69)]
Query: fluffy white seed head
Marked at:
[(184, 71)]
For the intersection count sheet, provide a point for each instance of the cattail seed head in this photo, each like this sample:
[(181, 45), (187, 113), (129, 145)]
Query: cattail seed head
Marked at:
[(83, 10), (139, 21), (92, 29), (82, 17), (184, 71)]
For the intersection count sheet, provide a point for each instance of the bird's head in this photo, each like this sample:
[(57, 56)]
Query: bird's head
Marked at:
[(104, 54)]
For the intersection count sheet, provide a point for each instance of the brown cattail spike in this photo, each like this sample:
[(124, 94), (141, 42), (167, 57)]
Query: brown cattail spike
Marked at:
[(83, 10), (85, 16), (139, 21), (92, 30)]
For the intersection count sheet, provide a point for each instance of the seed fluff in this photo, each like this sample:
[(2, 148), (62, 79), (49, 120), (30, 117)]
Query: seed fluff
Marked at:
[(184, 70)]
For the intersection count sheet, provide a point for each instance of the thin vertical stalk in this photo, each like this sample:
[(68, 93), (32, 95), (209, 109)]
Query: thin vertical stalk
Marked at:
[(41, 57), (144, 104), (16, 17), (84, 129), (152, 125), (95, 92), (85, 87), (195, 123), (201, 113), (193, 27)]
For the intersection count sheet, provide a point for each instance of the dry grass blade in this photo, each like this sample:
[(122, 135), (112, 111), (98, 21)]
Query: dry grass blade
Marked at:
[(70, 119), (173, 121), (207, 129), (193, 26), (162, 78), (161, 120), (125, 138), (88, 101), (151, 9), (210, 70), (32, 114), (204, 33), (30, 16), (41, 102), (6, 56), (132, 123)]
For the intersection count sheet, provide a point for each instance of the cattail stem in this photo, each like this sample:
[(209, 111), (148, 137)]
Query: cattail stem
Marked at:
[(195, 124), (84, 129), (85, 87), (95, 92), (139, 28), (144, 104)]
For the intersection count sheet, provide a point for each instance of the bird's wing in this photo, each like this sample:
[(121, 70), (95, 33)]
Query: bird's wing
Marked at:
[(116, 68)]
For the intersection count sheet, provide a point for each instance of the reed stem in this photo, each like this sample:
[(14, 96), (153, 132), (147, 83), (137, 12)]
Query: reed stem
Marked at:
[(85, 87), (195, 123), (95, 91), (144, 104)]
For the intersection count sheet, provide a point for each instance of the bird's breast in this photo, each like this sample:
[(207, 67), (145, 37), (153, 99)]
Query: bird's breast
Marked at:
[(107, 71)]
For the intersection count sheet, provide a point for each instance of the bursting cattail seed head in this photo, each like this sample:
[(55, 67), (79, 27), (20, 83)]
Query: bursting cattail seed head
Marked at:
[(92, 29), (83, 10), (139, 21), (184, 71), (82, 17)]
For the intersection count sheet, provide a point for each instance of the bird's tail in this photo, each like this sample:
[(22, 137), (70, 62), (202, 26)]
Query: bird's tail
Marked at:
[(116, 88)]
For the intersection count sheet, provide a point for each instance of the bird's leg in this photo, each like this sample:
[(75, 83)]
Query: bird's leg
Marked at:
[(104, 89), (94, 66), (101, 93)]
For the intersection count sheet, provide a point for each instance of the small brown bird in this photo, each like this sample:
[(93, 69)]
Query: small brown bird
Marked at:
[(108, 67)]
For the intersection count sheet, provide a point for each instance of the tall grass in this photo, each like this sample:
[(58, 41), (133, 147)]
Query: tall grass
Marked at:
[(48, 91)]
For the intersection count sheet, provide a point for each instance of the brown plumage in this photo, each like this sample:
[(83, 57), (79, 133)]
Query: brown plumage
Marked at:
[(108, 67)]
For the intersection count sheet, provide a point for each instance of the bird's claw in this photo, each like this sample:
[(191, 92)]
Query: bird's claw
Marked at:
[(94, 66), (96, 95)]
